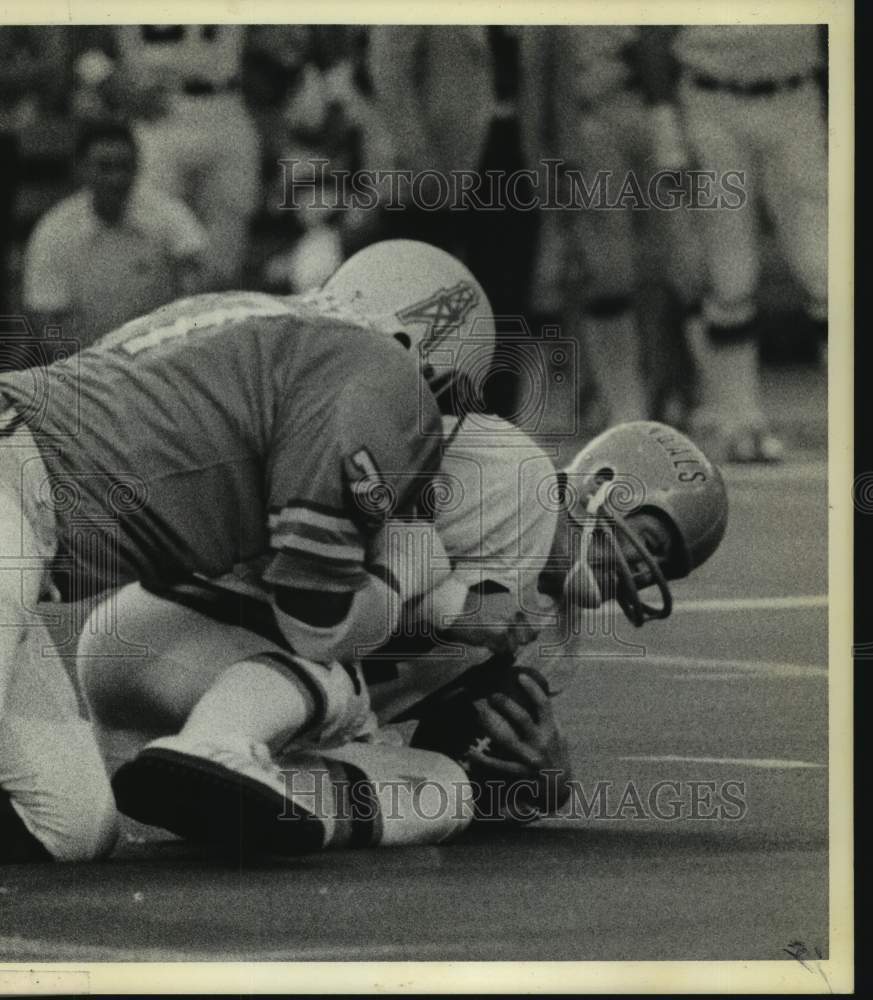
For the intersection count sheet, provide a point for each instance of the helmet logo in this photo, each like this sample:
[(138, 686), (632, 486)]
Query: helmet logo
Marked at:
[(675, 445), (442, 313)]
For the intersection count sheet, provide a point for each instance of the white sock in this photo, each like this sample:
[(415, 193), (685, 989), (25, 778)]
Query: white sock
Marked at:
[(259, 699)]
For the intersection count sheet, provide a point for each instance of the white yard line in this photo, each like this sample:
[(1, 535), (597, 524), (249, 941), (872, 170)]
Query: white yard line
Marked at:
[(800, 472), (564, 673), (752, 603), (747, 666), (764, 763), (709, 665)]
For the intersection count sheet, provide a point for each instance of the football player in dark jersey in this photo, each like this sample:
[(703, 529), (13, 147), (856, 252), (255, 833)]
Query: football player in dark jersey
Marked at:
[(243, 429)]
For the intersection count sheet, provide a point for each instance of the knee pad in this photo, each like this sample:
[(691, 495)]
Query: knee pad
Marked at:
[(368, 795), (57, 784)]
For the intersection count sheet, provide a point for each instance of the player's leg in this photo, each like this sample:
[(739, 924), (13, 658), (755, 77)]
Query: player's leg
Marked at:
[(27, 542), (51, 772), (55, 792), (220, 699), (370, 795), (600, 301), (228, 185), (134, 673), (731, 418), (164, 669)]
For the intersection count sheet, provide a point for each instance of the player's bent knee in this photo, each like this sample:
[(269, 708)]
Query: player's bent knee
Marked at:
[(89, 830), (149, 670), (368, 795), (57, 785)]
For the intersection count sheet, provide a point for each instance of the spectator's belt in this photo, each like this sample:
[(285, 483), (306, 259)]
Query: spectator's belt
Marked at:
[(204, 88), (760, 88)]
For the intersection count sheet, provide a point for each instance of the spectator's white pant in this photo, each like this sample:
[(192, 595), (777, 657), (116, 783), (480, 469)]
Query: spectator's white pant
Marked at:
[(779, 142), (49, 763), (206, 151), (613, 250)]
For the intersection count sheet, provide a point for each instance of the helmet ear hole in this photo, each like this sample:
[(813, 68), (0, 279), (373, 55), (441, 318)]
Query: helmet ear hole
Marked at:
[(604, 475), (404, 339)]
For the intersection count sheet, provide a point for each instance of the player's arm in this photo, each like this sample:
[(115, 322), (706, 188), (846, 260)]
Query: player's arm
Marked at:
[(354, 545), (485, 615), (392, 571), (325, 626), (339, 626)]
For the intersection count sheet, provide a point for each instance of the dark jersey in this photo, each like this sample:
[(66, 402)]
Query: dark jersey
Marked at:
[(224, 428)]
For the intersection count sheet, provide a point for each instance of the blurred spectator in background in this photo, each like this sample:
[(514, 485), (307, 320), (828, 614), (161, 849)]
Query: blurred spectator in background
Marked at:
[(317, 124), (449, 95), (750, 102), (618, 273), (113, 250), (30, 76), (182, 86)]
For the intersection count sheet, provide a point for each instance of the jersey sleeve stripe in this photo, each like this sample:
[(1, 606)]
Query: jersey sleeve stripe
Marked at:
[(295, 568), (295, 518), (335, 551), (337, 513)]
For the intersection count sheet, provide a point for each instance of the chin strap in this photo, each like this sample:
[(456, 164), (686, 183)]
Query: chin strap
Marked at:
[(603, 522)]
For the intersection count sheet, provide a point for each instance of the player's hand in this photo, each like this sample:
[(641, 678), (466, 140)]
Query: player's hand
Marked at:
[(493, 622), (526, 750)]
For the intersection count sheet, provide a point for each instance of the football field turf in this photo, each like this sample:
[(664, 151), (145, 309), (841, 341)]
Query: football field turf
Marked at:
[(729, 696)]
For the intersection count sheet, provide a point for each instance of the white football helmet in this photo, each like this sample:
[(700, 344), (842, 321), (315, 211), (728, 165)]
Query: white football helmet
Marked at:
[(643, 467), (428, 300)]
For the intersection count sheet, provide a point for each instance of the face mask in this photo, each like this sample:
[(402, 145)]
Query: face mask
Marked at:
[(605, 543)]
